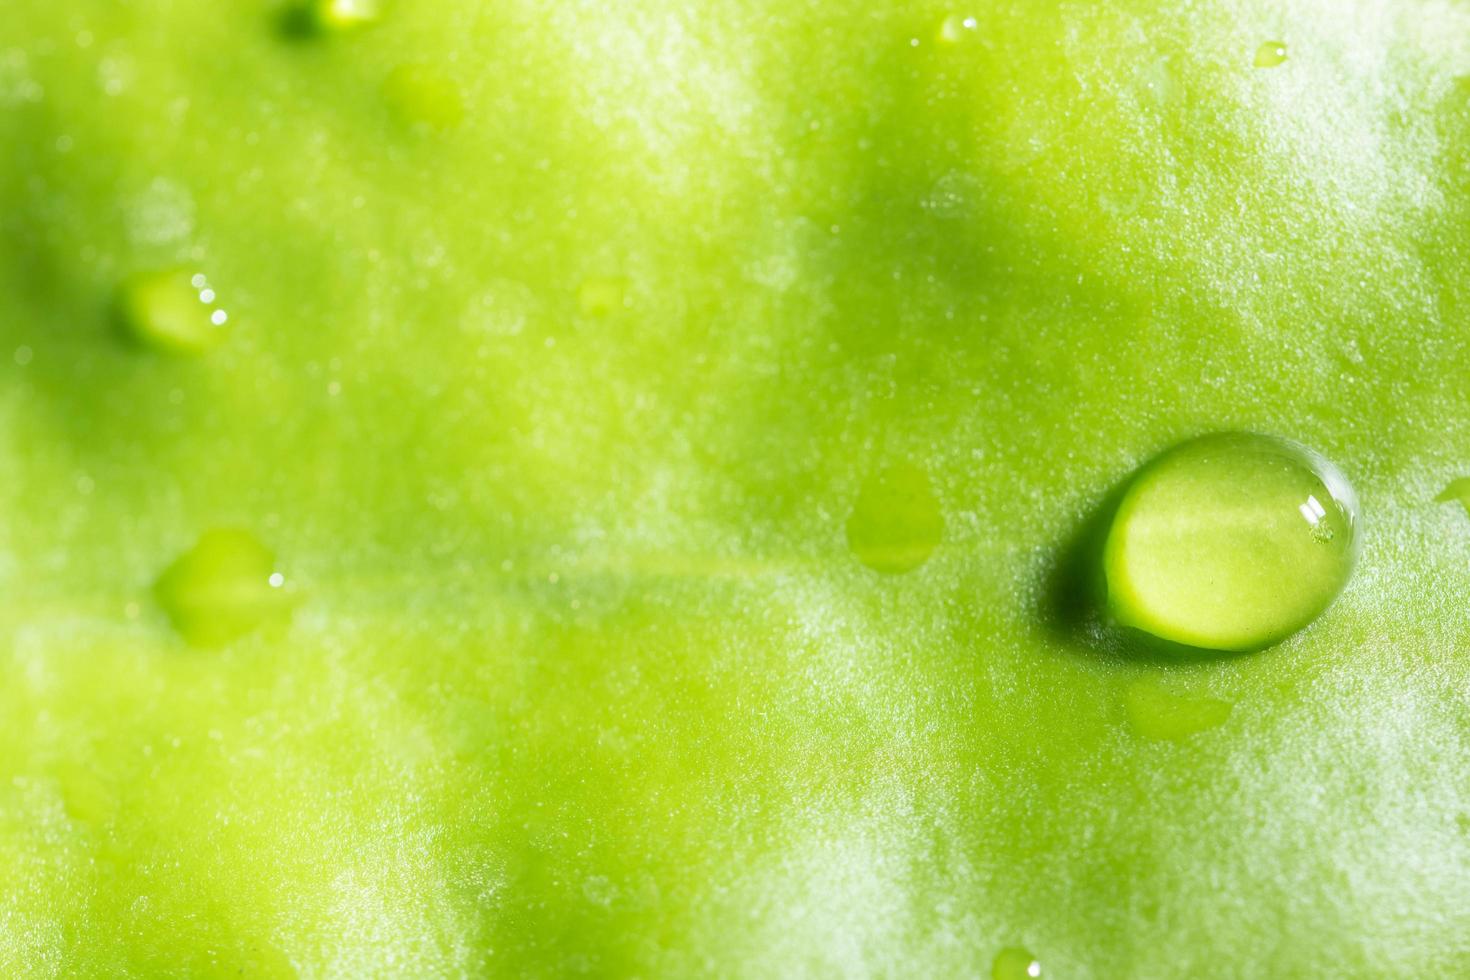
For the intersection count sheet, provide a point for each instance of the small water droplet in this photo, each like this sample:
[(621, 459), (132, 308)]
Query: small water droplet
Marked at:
[(896, 522), (1231, 541), (1015, 963), (221, 589), (1155, 711), (601, 296), (1458, 491), (167, 310), (422, 96), (24, 355), (1271, 54), (956, 29)]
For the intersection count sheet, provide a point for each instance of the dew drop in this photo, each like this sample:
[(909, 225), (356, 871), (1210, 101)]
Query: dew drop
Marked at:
[(224, 587), (422, 96), (1271, 54), (167, 310), (896, 522), (1230, 542), (1015, 963)]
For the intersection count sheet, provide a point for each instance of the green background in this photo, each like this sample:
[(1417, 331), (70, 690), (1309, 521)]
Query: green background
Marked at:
[(582, 676)]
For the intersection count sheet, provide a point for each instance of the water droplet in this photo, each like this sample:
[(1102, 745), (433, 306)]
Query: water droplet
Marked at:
[(1155, 711), (956, 29), (601, 296), (221, 589), (1231, 541), (421, 95), (167, 310), (896, 522), (1458, 490), (24, 355), (1015, 963), (1271, 54)]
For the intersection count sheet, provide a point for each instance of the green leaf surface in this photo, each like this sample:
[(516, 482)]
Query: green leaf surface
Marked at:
[(568, 347)]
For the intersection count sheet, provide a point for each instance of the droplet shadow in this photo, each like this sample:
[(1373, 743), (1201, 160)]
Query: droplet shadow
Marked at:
[(295, 22)]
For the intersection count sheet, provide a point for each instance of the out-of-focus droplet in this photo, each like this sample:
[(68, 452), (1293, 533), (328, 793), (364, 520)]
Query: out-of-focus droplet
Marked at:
[(1271, 54), (601, 296), (174, 310), (421, 95), (1015, 963), (222, 588)]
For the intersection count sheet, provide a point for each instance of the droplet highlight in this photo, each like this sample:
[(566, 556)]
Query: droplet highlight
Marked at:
[(338, 16), (1230, 542), (896, 522), (222, 588), (174, 310)]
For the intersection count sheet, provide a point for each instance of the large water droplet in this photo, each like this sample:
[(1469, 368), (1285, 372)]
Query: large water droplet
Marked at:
[(222, 588), (174, 310), (1230, 542), (1015, 963), (896, 523)]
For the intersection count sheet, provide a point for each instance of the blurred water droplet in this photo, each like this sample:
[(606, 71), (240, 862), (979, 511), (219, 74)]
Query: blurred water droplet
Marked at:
[(424, 97), (221, 589), (1015, 963), (601, 296), (166, 310), (1271, 54)]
